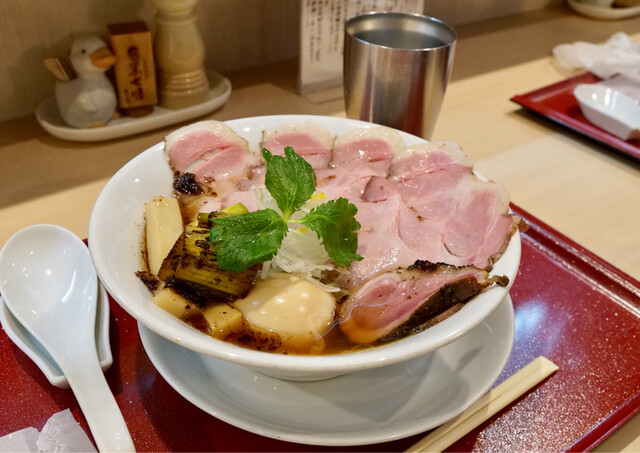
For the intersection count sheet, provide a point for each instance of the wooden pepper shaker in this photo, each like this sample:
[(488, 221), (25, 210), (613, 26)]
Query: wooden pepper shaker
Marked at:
[(179, 52)]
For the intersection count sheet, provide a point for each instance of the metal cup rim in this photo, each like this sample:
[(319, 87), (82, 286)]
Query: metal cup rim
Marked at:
[(349, 23)]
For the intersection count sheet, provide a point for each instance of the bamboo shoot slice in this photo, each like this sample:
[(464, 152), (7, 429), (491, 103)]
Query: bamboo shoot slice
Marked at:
[(163, 228)]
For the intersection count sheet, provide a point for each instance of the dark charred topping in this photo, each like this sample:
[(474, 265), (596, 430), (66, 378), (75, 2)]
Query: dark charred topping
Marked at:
[(186, 183), (209, 180), (521, 224), (415, 211), (203, 244), (195, 293), (253, 339), (425, 265), (447, 297), (199, 322), (149, 280), (428, 266), (500, 280)]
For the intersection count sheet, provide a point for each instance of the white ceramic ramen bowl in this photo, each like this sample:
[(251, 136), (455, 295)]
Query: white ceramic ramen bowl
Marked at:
[(115, 233)]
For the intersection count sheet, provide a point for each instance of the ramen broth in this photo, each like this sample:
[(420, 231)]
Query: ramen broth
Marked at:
[(333, 341)]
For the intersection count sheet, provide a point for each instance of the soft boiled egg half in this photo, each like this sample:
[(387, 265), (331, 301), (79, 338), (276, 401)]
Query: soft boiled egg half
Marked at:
[(292, 307)]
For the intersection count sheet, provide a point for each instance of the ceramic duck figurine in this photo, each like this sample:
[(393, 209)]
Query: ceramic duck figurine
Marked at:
[(89, 99)]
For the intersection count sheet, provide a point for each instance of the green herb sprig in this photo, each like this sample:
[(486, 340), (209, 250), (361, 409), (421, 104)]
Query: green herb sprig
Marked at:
[(247, 239)]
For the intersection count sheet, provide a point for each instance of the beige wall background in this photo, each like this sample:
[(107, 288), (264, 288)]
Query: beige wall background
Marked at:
[(237, 34)]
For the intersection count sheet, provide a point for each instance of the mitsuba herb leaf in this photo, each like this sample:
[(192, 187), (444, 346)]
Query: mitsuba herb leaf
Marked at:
[(247, 239), (336, 226), (290, 180), (243, 240)]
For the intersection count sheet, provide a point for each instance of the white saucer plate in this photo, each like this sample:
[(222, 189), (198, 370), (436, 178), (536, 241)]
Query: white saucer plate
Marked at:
[(367, 407), (49, 117), (36, 352), (602, 12)]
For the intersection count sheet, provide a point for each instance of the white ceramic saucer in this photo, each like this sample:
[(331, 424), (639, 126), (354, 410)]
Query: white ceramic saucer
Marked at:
[(36, 352), (602, 12), (374, 406), (49, 117)]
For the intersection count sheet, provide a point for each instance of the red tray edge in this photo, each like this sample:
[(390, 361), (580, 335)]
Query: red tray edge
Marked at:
[(621, 287), (596, 268), (608, 426), (585, 77)]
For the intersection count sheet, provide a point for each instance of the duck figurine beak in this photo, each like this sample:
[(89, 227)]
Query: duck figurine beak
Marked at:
[(102, 58)]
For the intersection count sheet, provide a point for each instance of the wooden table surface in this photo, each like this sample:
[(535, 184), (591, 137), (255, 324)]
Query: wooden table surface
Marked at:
[(582, 189)]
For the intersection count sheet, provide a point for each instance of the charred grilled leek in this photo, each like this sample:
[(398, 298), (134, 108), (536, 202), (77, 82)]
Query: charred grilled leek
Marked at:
[(192, 270)]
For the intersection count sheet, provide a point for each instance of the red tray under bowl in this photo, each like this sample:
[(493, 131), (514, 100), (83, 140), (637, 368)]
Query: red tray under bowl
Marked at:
[(570, 306)]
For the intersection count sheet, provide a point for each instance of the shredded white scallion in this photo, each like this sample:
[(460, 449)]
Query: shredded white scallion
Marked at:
[(264, 199), (301, 251)]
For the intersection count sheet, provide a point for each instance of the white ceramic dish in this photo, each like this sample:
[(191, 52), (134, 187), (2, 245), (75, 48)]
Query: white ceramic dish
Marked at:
[(49, 117), (603, 12), (609, 109), (368, 407), (115, 232), (36, 352)]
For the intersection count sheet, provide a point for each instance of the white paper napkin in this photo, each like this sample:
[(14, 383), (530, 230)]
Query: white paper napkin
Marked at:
[(61, 433), (618, 55)]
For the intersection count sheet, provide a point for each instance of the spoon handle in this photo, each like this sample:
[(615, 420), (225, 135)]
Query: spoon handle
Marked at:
[(98, 404)]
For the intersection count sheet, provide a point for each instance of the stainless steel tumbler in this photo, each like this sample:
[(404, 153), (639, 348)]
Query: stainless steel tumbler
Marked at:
[(396, 69)]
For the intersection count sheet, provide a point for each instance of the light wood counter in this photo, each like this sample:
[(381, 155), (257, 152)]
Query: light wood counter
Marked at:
[(586, 191)]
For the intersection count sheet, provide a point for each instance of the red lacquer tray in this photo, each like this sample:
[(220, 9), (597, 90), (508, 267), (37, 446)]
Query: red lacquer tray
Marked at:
[(570, 306), (557, 103)]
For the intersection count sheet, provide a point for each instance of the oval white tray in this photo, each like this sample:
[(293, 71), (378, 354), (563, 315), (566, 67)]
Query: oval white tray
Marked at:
[(49, 117), (600, 12)]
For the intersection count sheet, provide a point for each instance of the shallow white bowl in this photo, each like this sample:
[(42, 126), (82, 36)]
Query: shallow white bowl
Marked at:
[(115, 234), (610, 109)]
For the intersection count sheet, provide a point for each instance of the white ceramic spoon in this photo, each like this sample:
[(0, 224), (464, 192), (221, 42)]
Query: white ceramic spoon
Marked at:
[(49, 283)]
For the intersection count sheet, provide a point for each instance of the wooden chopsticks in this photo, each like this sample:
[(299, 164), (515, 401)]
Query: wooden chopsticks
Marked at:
[(486, 407)]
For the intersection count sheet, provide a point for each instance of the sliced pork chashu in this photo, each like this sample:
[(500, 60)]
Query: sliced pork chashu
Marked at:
[(211, 150), (395, 304), (429, 206), (311, 141), (219, 160), (450, 215)]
